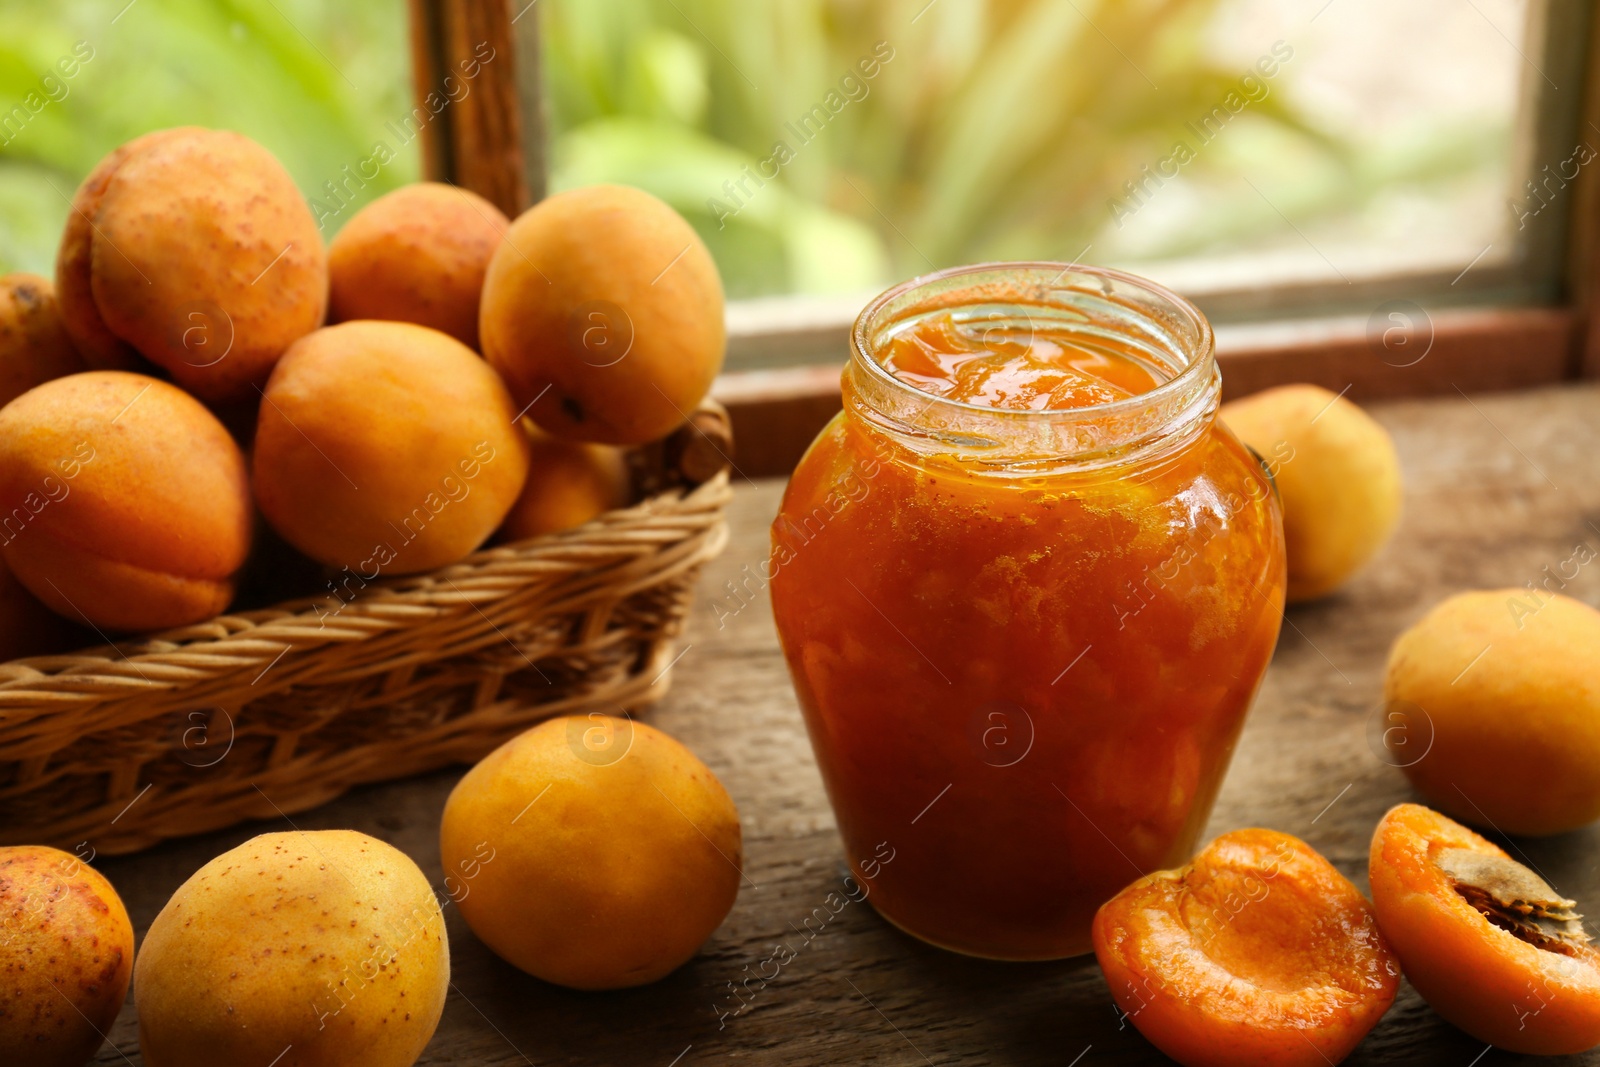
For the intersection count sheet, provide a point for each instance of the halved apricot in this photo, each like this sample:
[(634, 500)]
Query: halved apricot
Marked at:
[(1488, 944), (1258, 952)]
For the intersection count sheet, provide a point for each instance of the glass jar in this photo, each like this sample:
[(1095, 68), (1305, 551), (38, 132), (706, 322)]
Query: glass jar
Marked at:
[(1024, 641)]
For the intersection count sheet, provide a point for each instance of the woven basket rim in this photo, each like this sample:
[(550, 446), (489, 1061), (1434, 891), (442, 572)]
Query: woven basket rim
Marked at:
[(279, 624)]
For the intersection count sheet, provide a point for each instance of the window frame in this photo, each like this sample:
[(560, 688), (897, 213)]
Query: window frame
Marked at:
[(1520, 324)]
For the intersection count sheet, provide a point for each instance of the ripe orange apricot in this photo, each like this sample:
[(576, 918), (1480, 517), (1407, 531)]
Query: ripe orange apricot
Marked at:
[(123, 501), (195, 248), (386, 448), (419, 255), (66, 955), (569, 483), (101, 349), (34, 346), (602, 309), (1487, 943), (1258, 952)]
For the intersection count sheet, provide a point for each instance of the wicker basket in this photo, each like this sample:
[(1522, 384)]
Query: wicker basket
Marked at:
[(264, 713)]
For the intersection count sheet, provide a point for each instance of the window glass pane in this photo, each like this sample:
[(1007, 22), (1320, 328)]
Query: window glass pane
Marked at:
[(827, 146), (320, 85)]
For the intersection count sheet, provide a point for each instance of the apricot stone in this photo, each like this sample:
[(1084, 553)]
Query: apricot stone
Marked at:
[(123, 501), (603, 310), (1499, 702), (1337, 472), (569, 483), (1487, 942), (197, 251), (34, 346), (319, 949), (66, 954), (418, 255), (386, 448), (592, 852)]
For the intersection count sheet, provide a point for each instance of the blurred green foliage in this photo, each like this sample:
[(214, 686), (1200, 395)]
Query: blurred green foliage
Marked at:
[(988, 129), (314, 82), (1000, 129)]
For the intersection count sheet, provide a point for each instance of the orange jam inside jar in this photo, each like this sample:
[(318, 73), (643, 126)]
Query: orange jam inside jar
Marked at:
[(1027, 586)]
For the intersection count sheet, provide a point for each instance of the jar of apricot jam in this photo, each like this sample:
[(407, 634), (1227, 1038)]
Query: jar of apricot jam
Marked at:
[(1027, 585)]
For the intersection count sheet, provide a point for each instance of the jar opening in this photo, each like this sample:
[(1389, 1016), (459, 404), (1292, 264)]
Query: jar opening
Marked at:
[(1099, 308)]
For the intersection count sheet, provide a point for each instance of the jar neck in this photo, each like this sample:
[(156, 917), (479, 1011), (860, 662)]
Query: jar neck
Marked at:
[(1098, 306)]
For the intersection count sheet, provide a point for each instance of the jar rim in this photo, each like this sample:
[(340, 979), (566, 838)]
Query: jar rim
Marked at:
[(1168, 327), (1195, 371)]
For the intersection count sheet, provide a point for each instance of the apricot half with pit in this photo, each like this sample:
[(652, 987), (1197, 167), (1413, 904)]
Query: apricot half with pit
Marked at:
[(1337, 472), (34, 346), (124, 504), (386, 448), (1499, 701), (418, 255), (1486, 941), (1259, 952), (66, 954), (193, 248), (602, 308)]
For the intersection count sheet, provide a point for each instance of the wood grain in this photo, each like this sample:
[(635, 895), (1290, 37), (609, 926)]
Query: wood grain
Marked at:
[(464, 72), (1497, 487)]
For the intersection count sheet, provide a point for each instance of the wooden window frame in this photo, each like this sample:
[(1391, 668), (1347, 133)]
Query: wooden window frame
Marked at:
[(1511, 327)]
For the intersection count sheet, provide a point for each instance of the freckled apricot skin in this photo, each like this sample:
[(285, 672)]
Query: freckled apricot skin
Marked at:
[(1483, 979), (200, 254), (124, 503), (1337, 472), (1498, 688), (387, 448), (1257, 954), (418, 255), (34, 346), (325, 948), (608, 297), (569, 483), (101, 349), (592, 852), (66, 954)]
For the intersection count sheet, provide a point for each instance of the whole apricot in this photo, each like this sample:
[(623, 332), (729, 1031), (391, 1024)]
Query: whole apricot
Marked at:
[(1337, 472), (100, 348), (1499, 702), (66, 954), (200, 254), (1259, 952), (603, 310), (124, 503), (386, 448), (595, 853), (418, 255), (1488, 944), (34, 346), (302, 949), (569, 483)]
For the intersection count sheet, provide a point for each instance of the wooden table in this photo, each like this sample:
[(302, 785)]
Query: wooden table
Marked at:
[(1497, 487)]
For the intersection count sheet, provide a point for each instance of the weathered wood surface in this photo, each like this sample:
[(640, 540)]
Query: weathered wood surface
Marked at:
[(1498, 487)]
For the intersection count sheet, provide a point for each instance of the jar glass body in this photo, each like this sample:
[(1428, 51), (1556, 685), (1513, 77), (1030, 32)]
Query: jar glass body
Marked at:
[(1024, 643)]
